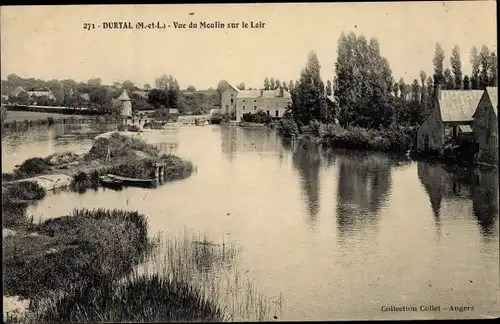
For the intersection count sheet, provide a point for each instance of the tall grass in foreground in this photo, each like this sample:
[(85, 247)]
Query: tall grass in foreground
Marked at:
[(211, 267), (186, 279)]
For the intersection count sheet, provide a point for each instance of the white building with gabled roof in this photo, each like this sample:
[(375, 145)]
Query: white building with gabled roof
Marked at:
[(238, 102)]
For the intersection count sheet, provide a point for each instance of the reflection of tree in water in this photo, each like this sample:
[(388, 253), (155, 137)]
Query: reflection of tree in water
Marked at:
[(439, 183), (228, 141), (364, 184), (484, 185), (307, 161), (168, 147), (239, 139)]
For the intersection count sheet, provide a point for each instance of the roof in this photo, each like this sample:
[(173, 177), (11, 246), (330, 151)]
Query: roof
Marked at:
[(459, 105), (250, 94), (85, 96), (493, 94), (143, 94), (124, 96), (234, 87), (17, 90), (173, 111), (465, 128)]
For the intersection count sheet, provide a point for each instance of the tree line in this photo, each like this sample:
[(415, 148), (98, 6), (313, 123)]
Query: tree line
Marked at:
[(99, 97), (367, 95)]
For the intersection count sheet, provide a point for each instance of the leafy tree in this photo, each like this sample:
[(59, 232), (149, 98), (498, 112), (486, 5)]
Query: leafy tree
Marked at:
[(448, 82), (290, 85), (438, 64), (277, 84), (95, 82), (241, 86), (493, 68), (363, 83), (272, 84), (328, 88), (128, 85), (456, 66), (415, 91), (147, 87), (466, 82), (157, 98), (395, 89), (308, 97), (191, 88), (476, 63), (484, 58), (423, 76), (100, 99), (429, 85), (267, 84), (403, 89)]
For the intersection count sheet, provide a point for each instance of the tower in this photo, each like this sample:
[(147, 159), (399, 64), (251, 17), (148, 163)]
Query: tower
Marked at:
[(126, 105)]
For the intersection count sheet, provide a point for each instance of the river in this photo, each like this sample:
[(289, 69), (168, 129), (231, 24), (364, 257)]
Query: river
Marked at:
[(341, 234)]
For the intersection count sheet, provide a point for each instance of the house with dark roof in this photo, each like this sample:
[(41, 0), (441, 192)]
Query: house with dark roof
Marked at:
[(485, 126), (450, 118)]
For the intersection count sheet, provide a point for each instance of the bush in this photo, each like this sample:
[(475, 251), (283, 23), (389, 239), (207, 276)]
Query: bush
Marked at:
[(287, 128), (122, 128), (133, 128), (33, 167), (50, 121), (119, 146), (314, 127), (260, 117), (24, 190)]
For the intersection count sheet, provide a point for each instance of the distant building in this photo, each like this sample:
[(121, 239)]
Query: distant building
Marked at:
[(485, 126), (141, 93), (126, 104), (450, 118), (17, 91), (272, 102), (228, 101), (238, 102)]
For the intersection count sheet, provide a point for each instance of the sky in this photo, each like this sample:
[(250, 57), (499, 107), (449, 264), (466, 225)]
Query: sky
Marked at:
[(50, 42)]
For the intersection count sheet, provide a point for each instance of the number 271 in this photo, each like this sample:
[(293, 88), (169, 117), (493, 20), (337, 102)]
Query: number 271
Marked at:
[(88, 26)]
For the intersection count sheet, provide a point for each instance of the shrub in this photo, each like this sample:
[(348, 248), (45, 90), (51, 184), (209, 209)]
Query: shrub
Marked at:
[(122, 127), (287, 128), (33, 166), (314, 127), (50, 121), (23, 190), (119, 146), (260, 117), (133, 128)]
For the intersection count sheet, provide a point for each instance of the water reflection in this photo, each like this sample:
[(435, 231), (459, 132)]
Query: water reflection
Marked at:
[(42, 141), (458, 186), (240, 139), (307, 161), (363, 188), (484, 187)]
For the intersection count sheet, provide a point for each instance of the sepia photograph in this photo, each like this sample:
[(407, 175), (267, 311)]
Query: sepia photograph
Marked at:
[(250, 162)]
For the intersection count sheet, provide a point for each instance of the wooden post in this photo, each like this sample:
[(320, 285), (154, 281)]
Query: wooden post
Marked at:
[(157, 172)]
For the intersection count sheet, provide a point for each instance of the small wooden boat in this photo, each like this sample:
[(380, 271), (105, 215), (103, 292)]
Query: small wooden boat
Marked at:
[(133, 181), (110, 182)]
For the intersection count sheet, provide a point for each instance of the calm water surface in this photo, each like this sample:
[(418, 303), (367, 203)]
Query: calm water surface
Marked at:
[(339, 233)]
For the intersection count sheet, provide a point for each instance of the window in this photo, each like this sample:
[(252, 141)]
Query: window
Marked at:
[(243, 100), (243, 107), (277, 113), (254, 100), (254, 108), (233, 100)]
